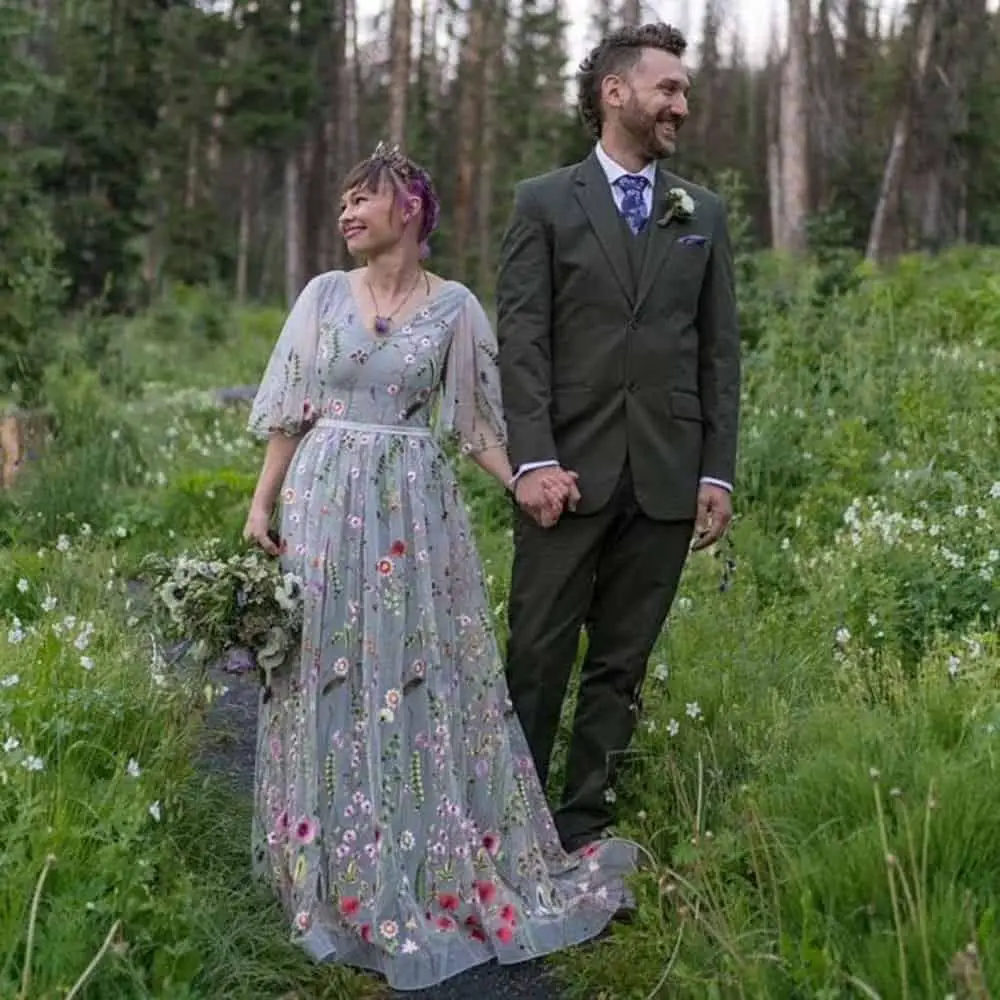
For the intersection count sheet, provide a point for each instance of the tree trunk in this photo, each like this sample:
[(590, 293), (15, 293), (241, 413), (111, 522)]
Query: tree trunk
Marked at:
[(491, 72), (191, 171), (399, 86), (794, 130), (776, 196), (243, 237), (352, 131), (632, 13), (889, 194), (468, 132), (294, 277)]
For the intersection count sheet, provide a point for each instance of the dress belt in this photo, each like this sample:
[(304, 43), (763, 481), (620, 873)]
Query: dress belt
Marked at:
[(353, 425)]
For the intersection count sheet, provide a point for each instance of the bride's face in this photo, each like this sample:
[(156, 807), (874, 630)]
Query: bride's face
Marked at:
[(374, 221)]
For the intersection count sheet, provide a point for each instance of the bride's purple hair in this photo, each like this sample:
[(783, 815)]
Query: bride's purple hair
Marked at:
[(388, 165)]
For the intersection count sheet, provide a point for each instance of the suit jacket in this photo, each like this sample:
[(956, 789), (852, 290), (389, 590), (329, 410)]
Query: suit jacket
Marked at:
[(599, 364)]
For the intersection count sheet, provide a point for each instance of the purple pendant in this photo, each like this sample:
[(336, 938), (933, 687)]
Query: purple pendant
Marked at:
[(381, 325)]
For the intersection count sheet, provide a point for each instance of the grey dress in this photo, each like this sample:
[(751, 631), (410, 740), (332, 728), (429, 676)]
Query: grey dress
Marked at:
[(398, 814)]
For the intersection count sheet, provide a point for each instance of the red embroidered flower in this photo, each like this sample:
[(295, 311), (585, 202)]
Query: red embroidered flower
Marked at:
[(349, 906), (486, 891), (448, 901), (366, 933), (589, 851), (491, 842), (478, 934), (398, 548), (509, 913), (505, 935), (445, 924)]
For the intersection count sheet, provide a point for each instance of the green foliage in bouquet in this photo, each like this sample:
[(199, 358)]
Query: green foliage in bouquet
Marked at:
[(226, 603)]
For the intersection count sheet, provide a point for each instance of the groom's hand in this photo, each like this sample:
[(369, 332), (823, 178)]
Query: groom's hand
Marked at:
[(715, 511), (544, 493)]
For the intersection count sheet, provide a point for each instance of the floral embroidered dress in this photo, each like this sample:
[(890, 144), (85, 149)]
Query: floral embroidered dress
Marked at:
[(398, 813)]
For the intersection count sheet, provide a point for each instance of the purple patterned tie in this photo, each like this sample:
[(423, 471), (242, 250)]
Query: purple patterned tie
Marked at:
[(633, 207)]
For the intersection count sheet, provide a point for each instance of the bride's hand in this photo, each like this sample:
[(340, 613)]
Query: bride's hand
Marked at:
[(256, 530)]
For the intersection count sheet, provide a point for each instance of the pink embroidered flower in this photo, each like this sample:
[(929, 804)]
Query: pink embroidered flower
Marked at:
[(303, 920), (448, 901), (385, 567), (306, 830), (486, 891)]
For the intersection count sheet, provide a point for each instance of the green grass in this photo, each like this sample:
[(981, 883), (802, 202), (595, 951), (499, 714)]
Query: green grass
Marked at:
[(814, 774)]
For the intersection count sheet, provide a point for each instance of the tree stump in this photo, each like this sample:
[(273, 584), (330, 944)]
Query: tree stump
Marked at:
[(22, 434)]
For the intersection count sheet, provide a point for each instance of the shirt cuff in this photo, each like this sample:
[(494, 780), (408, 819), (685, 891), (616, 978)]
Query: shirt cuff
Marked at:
[(728, 487), (531, 466)]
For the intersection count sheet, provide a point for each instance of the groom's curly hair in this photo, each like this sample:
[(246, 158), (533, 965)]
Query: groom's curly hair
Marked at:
[(618, 53)]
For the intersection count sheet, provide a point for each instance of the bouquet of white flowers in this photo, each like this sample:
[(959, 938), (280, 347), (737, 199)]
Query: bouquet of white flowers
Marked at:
[(227, 603)]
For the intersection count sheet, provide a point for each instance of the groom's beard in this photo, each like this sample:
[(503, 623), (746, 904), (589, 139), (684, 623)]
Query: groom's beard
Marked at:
[(642, 127)]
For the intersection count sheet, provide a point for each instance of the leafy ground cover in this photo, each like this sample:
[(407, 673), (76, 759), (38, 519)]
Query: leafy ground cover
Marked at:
[(815, 770)]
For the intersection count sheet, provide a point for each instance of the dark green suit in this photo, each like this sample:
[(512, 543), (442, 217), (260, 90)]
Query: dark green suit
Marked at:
[(619, 357)]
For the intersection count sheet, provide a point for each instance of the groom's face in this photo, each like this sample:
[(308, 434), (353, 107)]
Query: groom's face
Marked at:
[(654, 103)]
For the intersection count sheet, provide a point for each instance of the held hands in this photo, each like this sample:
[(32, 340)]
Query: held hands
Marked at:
[(544, 494), (258, 530), (715, 511)]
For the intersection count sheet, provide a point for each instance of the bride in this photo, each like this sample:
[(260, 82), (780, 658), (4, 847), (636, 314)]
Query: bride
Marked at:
[(398, 813)]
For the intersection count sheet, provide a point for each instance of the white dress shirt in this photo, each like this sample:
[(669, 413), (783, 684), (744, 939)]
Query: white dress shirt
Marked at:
[(613, 171)]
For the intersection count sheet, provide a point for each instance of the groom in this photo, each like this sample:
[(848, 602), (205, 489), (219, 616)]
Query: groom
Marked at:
[(619, 357)]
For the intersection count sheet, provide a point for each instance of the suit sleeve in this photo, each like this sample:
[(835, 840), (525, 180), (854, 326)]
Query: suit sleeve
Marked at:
[(719, 359), (524, 332)]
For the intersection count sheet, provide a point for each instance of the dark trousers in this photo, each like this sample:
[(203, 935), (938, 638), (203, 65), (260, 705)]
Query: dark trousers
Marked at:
[(615, 573)]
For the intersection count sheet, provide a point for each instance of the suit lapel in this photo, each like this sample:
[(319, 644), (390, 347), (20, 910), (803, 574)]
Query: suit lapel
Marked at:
[(595, 197), (662, 239)]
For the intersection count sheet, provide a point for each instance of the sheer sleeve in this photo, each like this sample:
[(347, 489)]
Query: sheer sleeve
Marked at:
[(286, 398), (471, 404)]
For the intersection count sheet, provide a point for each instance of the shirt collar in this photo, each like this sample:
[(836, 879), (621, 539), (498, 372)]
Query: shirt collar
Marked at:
[(613, 170)]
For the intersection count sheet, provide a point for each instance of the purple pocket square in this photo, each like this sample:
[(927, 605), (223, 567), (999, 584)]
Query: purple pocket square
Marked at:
[(692, 241)]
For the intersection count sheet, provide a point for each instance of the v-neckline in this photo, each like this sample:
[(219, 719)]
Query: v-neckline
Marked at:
[(398, 326)]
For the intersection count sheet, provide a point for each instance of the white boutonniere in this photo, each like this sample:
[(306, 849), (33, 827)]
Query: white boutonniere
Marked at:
[(678, 206)]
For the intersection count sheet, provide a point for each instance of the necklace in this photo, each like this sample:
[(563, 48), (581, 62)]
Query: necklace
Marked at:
[(383, 324)]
